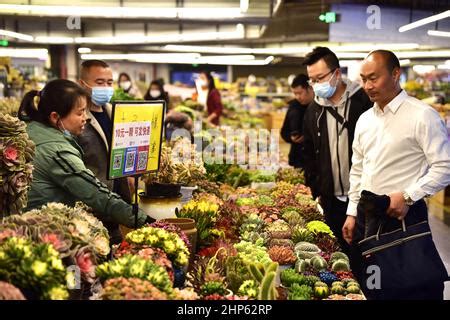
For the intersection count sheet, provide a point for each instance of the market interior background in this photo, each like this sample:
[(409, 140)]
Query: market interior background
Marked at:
[(174, 40)]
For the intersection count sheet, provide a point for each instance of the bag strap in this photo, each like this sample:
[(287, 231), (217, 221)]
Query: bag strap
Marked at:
[(383, 223), (341, 119)]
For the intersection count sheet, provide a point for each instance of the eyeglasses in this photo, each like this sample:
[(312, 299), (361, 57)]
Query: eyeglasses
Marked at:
[(311, 82)]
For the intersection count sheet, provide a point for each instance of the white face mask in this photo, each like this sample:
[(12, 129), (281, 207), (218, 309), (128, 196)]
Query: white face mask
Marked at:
[(155, 93), (125, 85), (202, 82)]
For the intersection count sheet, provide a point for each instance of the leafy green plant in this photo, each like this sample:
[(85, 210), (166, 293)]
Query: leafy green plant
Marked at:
[(249, 288), (131, 289), (34, 267), (170, 242), (212, 287), (318, 227), (260, 176), (205, 215), (300, 292), (130, 266)]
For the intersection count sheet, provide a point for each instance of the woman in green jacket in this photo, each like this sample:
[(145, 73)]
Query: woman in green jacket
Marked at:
[(54, 116)]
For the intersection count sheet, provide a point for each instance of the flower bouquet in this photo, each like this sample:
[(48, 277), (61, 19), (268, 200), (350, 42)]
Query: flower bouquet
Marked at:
[(34, 268), (205, 215), (79, 237), (156, 255), (130, 266), (169, 242)]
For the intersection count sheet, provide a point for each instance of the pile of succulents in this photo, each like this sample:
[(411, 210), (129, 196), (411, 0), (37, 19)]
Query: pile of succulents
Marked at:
[(270, 243), (16, 154)]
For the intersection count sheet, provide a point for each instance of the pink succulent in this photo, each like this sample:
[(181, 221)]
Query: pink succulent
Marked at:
[(52, 239), (10, 153), (84, 262)]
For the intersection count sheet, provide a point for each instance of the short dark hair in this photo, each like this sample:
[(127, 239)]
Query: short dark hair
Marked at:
[(300, 80), (58, 95), (86, 65), (124, 74), (389, 57), (324, 53)]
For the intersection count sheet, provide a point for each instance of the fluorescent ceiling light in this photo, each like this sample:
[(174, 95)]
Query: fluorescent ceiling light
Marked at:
[(207, 49), (297, 51), (423, 54), (20, 36), (405, 62), (444, 66), (84, 50), (163, 38), (54, 40), (373, 46), (186, 58), (437, 33), (425, 21), (41, 54), (244, 5), (121, 12)]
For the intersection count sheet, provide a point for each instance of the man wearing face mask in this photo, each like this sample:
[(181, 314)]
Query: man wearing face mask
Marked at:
[(329, 126), (96, 77)]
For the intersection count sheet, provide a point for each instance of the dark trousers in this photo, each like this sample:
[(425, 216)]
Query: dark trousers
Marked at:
[(335, 212)]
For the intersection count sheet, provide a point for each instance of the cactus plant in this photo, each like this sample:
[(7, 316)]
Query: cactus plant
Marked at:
[(321, 292), (353, 289), (267, 290), (337, 289), (301, 265), (318, 263), (264, 275), (338, 256), (340, 265), (305, 254), (306, 246)]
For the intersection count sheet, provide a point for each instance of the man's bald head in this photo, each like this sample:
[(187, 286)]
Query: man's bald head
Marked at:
[(389, 58)]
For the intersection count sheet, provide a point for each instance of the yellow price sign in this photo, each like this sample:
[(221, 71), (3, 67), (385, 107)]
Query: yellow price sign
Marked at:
[(136, 137)]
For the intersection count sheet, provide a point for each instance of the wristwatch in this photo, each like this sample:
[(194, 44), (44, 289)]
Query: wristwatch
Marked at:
[(408, 200)]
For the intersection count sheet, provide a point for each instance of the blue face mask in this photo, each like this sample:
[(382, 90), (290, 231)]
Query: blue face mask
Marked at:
[(324, 90), (65, 131), (101, 95)]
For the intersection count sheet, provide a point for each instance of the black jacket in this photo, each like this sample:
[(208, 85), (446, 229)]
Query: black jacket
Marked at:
[(316, 148), (293, 125)]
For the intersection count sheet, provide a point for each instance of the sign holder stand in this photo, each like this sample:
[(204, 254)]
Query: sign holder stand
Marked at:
[(154, 123)]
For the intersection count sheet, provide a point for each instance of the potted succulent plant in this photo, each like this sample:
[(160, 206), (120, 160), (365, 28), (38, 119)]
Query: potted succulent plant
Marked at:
[(188, 164)]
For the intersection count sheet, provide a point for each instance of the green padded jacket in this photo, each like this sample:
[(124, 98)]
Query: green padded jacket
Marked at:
[(60, 175)]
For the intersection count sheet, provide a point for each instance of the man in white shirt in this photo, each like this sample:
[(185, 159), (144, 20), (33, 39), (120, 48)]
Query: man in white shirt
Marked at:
[(401, 150)]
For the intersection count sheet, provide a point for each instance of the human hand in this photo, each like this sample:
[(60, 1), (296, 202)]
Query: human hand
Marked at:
[(349, 228), (297, 138), (397, 208)]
